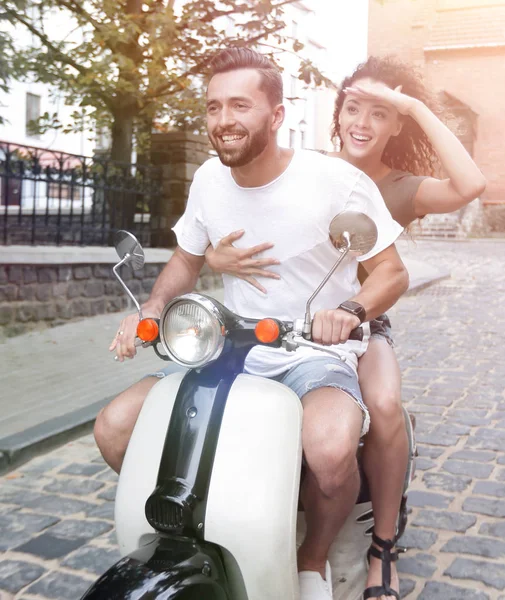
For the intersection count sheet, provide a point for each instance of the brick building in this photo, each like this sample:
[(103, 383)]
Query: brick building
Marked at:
[(460, 47)]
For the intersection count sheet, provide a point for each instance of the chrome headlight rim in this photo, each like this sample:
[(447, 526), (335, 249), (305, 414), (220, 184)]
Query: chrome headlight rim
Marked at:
[(208, 305)]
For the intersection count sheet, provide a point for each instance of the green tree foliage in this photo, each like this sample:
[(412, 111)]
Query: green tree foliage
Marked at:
[(6, 53), (130, 63), (5, 46)]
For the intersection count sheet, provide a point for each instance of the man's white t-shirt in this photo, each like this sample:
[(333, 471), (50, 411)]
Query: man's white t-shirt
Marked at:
[(293, 212)]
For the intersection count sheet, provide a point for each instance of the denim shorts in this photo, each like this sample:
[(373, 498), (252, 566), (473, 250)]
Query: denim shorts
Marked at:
[(325, 371), (311, 374), (380, 328)]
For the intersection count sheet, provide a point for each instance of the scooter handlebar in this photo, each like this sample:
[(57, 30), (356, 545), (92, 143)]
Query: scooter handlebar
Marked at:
[(298, 326), (357, 334)]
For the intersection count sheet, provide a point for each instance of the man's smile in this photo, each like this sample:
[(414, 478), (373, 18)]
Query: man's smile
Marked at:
[(231, 139)]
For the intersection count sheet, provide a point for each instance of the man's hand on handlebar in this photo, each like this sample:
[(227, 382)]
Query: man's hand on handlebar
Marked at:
[(124, 340), (334, 326)]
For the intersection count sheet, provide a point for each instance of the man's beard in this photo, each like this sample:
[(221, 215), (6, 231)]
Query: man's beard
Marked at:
[(239, 157)]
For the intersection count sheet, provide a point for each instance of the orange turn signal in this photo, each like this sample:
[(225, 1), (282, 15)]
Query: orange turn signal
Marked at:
[(267, 331), (147, 330)]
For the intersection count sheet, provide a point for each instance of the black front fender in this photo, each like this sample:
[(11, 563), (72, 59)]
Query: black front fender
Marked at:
[(166, 569)]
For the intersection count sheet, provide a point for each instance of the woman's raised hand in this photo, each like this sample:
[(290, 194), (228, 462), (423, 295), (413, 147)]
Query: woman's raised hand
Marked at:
[(380, 91), (241, 262)]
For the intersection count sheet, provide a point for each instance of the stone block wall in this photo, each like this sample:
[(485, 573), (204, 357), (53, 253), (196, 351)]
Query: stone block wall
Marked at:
[(43, 285), (35, 296), (179, 154)]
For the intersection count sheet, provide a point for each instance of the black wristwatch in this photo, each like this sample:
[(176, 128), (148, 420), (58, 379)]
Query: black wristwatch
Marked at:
[(355, 308)]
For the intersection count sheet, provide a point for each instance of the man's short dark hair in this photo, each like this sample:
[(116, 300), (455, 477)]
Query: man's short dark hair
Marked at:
[(245, 58)]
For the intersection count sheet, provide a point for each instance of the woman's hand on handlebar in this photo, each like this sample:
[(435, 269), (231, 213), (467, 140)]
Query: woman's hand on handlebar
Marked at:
[(334, 326), (241, 262)]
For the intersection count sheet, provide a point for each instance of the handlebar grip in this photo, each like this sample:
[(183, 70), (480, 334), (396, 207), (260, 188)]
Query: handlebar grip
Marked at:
[(357, 334)]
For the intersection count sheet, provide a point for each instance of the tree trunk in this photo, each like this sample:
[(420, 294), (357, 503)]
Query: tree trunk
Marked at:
[(122, 138), (145, 198), (121, 199), (143, 139)]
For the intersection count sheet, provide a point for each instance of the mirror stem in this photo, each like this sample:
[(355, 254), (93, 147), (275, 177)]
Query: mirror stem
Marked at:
[(307, 324), (123, 261)]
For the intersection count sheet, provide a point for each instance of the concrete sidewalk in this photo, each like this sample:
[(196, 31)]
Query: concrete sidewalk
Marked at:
[(54, 382)]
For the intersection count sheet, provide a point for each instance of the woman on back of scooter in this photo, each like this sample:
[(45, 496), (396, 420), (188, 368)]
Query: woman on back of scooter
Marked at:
[(384, 127)]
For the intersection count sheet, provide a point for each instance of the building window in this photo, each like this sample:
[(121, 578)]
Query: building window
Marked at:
[(293, 87), (62, 191), (460, 119), (10, 191), (302, 126), (32, 114), (292, 138)]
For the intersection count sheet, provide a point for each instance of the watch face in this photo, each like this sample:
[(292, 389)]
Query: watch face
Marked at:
[(351, 307), (354, 308)]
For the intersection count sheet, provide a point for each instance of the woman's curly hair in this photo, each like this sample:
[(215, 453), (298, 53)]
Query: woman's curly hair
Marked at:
[(410, 150)]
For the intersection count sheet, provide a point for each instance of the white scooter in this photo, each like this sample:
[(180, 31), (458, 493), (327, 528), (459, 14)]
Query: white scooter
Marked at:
[(207, 500)]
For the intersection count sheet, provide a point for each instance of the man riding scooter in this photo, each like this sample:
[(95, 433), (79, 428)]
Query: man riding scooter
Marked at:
[(288, 197)]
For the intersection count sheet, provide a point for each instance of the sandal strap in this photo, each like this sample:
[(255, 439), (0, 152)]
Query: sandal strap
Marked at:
[(379, 590), (386, 557), (386, 544)]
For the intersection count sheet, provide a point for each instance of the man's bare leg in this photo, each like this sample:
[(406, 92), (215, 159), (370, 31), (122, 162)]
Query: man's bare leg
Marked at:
[(332, 424), (385, 454), (114, 423)]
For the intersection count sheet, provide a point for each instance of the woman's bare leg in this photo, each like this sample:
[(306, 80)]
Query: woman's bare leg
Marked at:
[(385, 454)]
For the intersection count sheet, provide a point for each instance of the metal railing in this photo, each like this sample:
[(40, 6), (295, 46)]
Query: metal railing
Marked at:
[(54, 198)]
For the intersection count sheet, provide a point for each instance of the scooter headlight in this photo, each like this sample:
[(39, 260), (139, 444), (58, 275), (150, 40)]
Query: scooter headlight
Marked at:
[(192, 330)]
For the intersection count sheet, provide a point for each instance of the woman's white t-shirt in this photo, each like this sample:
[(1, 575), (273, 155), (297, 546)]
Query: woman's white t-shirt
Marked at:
[(293, 212)]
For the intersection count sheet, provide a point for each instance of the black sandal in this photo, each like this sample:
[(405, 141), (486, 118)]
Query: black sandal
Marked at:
[(387, 557)]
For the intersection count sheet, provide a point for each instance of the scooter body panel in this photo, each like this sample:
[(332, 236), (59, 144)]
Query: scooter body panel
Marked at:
[(139, 471), (251, 507), (253, 496), (165, 569)]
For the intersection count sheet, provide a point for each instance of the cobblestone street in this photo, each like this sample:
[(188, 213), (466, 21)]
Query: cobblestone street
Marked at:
[(56, 512)]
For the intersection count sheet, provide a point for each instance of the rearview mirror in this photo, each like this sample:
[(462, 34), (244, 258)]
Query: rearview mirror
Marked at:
[(130, 252), (127, 246), (361, 232), (350, 231)]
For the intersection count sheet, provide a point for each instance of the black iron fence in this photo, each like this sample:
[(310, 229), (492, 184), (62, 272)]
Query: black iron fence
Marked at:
[(53, 198)]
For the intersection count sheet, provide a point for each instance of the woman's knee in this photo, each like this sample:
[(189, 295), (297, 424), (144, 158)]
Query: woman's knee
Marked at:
[(384, 403), (380, 380)]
